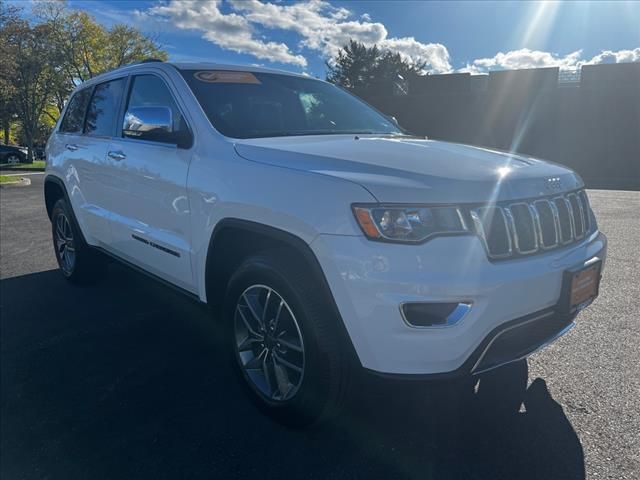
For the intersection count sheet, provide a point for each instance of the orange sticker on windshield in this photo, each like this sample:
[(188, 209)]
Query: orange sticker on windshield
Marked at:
[(219, 76)]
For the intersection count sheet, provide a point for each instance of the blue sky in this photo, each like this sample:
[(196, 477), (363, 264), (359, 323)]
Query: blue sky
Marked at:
[(451, 36)]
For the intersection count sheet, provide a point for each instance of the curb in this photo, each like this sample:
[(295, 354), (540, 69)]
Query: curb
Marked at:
[(20, 170), (21, 182)]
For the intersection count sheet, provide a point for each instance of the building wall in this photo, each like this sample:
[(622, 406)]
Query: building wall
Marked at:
[(590, 121)]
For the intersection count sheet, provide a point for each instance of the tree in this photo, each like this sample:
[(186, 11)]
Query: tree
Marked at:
[(88, 48), (44, 59), (34, 76), (127, 45), (359, 66), (9, 15), (354, 66)]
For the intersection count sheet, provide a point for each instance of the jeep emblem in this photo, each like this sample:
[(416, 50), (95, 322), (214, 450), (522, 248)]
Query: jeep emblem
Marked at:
[(553, 185)]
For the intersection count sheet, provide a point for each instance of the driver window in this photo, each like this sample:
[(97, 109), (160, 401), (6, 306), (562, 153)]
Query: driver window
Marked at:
[(150, 94)]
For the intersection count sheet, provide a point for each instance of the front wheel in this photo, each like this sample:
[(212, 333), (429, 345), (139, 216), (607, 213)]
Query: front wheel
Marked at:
[(284, 341), (77, 261)]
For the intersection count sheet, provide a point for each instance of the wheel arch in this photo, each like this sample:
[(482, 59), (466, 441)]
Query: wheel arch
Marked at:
[(54, 190), (233, 240)]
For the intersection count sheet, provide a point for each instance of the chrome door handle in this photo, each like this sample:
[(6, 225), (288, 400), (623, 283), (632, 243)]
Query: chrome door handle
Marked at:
[(116, 155), (71, 146)]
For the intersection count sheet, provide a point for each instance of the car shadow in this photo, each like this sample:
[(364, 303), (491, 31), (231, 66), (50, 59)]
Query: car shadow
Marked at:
[(127, 380)]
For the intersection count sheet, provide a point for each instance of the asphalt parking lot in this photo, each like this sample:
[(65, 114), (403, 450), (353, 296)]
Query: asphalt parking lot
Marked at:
[(125, 380)]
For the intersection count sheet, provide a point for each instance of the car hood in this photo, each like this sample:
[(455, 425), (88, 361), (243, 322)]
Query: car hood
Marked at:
[(407, 170)]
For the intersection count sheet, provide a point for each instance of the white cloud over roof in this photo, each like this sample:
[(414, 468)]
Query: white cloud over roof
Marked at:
[(323, 28)]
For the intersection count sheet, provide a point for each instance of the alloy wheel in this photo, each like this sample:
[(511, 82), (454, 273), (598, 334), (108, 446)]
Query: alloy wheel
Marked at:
[(65, 245), (269, 343)]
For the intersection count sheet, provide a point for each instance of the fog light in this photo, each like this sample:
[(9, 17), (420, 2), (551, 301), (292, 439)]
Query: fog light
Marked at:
[(420, 314)]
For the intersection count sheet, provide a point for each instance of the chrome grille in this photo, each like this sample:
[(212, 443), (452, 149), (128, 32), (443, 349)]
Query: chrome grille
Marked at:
[(565, 224), (529, 227), (492, 225)]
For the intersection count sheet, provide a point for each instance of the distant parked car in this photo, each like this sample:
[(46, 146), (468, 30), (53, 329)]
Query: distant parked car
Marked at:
[(12, 154), (38, 153)]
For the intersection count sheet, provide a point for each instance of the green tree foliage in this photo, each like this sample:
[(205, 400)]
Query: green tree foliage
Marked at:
[(359, 66), (88, 48), (127, 45), (9, 16), (34, 74), (44, 59)]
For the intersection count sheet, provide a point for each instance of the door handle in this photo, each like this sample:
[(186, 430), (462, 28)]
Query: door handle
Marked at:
[(116, 155), (71, 146)]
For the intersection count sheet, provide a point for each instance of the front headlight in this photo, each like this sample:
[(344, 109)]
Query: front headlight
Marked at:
[(410, 224)]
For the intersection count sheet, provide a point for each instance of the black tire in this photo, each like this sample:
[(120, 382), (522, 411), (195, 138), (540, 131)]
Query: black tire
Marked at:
[(78, 262), (501, 391), (326, 366), (14, 158)]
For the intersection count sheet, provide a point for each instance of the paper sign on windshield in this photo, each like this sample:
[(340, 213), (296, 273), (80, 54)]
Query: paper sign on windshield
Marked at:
[(219, 76)]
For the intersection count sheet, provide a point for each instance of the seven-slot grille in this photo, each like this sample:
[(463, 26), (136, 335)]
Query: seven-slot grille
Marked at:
[(532, 226)]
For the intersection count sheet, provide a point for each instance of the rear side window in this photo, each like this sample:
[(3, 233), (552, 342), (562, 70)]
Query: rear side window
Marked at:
[(74, 116), (103, 108)]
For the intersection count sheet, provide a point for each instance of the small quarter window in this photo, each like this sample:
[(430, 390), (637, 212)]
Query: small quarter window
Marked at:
[(103, 108), (74, 115)]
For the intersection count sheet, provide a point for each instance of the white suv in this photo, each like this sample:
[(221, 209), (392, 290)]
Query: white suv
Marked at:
[(331, 240)]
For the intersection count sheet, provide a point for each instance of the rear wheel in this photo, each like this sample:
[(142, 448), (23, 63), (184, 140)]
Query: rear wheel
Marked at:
[(284, 341), (77, 261)]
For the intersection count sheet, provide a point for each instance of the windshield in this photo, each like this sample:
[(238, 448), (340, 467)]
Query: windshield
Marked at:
[(254, 105)]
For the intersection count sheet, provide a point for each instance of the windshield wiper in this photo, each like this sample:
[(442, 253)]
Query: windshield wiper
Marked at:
[(298, 133)]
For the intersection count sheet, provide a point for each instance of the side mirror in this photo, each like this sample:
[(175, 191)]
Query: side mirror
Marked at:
[(155, 124), (149, 123)]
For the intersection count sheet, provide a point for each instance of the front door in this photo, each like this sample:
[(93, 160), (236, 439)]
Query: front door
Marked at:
[(148, 196)]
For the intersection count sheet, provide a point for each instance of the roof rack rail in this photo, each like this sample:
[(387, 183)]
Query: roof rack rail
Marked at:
[(151, 60)]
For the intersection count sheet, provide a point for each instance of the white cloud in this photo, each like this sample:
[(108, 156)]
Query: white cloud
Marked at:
[(239, 25), (525, 58), (230, 31), (621, 56), (321, 27), (435, 54)]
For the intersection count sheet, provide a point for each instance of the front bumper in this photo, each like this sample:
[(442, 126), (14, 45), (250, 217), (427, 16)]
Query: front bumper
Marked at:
[(370, 280)]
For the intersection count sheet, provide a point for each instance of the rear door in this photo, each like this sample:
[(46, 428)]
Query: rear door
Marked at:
[(90, 164), (79, 157), (147, 189)]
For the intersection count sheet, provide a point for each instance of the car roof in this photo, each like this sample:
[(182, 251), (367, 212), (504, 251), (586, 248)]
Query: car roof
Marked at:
[(131, 68)]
